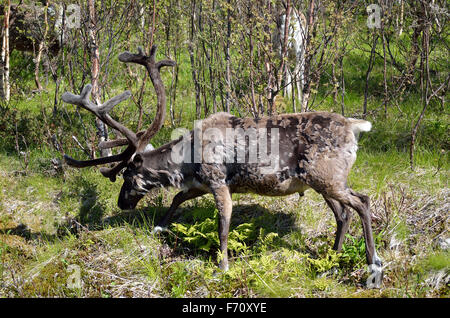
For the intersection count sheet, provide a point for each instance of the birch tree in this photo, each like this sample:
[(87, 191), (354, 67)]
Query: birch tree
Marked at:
[(4, 72)]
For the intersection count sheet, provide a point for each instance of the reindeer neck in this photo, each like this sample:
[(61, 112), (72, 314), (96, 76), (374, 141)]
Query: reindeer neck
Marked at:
[(162, 158)]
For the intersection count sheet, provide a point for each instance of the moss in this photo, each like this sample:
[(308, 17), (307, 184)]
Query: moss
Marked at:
[(436, 261), (49, 281)]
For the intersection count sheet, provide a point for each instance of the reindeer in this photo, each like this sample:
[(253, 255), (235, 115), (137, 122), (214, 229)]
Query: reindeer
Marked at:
[(307, 150)]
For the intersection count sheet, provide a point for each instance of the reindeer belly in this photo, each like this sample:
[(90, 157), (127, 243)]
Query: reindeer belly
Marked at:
[(269, 185), (289, 186)]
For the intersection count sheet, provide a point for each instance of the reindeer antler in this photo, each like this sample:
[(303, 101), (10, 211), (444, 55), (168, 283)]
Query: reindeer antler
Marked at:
[(101, 111), (153, 69), (136, 142)]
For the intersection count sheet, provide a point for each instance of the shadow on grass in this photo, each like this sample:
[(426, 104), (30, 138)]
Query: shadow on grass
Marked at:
[(91, 212), (91, 209), (278, 222), (146, 218), (23, 231)]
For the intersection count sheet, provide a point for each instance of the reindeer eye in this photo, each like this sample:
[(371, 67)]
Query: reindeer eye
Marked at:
[(137, 161)]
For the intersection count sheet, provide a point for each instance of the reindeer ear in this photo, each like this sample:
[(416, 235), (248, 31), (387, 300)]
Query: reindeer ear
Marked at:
[(137, 160)]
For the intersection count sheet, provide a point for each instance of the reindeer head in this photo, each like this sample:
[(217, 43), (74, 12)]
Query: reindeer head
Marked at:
[(134, 157)]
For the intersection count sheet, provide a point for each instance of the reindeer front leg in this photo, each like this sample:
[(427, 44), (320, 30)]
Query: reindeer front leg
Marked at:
[(224, 204), (177, 200)]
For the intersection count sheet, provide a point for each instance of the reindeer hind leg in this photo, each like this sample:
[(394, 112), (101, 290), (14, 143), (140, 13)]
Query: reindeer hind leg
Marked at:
[(343, 218)]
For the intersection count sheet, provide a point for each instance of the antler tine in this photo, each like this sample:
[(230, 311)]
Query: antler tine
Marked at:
[(101, 111), (80, 100), (117, 142), (139, 58), (108, 105), (107, 144), (94, 162), (112, 172), (142, 59)]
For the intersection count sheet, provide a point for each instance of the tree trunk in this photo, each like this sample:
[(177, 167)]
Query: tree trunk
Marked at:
[(283, 69), (341, 64), (369, 69), (228, 62), (383, 35), (102, 131), (194, 68), (308, 57), (400, 27), (425, 77), (385, 100), (40, 49), (254, 108), (5, 54)]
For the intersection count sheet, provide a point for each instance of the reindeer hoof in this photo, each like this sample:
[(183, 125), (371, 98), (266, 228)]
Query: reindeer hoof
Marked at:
[(376, 276)]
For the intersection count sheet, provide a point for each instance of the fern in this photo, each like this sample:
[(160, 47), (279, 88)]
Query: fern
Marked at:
[(204, 235)]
